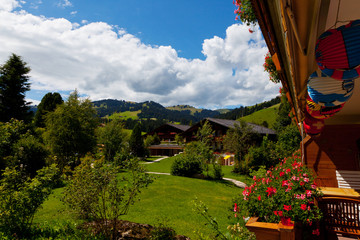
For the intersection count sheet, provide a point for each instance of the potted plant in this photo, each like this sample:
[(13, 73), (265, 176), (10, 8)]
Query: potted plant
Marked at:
[(269, 67), (285, 194)]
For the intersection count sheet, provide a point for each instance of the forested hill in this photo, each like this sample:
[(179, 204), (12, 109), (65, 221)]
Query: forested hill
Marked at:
[(151, 110), (244, 111)]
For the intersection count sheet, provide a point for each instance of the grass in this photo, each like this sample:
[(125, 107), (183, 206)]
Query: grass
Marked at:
[(268, 114), (125, 115), (168, 200), (163, 166)]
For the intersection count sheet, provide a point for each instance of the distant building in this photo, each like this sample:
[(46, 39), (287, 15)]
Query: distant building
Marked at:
[(220, 127), (167, 133)]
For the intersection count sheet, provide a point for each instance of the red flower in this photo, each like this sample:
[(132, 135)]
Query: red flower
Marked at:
[(235, 208), (259, 198), (281, 174), (278, 213), (316, 232), (303, 207), (288, 170), (287, 207), (271, 191)]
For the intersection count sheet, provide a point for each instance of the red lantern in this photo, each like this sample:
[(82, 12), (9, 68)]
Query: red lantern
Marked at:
[(337, 51), (313, 126)]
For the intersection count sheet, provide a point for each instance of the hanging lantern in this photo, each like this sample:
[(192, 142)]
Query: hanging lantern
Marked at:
[(313, 126), (321, 112), (327, 91), (337, 51)]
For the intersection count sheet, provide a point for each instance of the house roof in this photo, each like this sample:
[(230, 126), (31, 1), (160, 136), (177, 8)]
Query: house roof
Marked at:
[(178, 126), (231, 123)]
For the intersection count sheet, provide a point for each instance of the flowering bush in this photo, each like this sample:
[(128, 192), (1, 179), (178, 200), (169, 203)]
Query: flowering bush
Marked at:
[(287, 190), (245, 12), (269, 67)]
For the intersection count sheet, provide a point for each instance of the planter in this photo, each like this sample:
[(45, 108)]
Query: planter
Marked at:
[(270, 231)]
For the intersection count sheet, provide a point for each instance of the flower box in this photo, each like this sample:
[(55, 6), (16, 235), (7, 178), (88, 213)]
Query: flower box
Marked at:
[(270, 231)]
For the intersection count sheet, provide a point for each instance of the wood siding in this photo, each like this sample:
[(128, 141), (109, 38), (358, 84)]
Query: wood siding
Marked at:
[(335, 149)]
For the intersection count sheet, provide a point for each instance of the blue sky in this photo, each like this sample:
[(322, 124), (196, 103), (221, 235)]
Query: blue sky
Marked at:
[(173, 52)]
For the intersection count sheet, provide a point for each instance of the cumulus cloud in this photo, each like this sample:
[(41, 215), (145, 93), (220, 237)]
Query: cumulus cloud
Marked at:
[(102, 61)]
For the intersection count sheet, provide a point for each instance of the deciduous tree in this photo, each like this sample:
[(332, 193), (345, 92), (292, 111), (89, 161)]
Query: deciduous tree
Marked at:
[(70, 130), (48, 104)]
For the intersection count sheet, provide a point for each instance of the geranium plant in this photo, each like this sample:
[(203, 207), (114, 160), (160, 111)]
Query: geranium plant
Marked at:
[(245, 12), (269, 67), (285, 193)]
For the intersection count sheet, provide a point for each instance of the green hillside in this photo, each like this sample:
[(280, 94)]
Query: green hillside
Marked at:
[(125, 115), (268, 114)]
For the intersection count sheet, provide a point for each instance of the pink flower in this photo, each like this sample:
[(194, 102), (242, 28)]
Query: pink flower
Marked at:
[(235, 215), (308, 193), (313, 186), (302, 196), (306, 180), (316, 232), (303, 207)]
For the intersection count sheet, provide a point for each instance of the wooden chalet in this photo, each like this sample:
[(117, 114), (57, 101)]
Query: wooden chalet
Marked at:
[(167, 133), (291, 29), (220, 127)]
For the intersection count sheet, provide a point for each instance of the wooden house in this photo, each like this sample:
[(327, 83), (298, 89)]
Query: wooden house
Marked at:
[(294, 31), (220, 127), (167, 133)]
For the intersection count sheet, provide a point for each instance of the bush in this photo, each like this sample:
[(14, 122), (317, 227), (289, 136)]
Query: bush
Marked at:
[(21, 197), (30, 154), (96, 192), (186, 165)]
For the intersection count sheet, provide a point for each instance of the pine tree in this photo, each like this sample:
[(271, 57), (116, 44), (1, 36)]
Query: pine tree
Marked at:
[(14, 82), (136, 142)]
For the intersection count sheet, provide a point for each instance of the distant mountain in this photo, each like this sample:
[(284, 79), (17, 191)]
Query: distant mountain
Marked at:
[(152, 110)]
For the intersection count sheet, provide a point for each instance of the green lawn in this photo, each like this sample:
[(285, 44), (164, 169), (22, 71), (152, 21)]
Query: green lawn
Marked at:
[(168, 200), (164, 166)]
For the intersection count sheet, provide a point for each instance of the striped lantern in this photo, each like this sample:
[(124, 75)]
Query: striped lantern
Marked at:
[(337, 51), (320, 112), (313, 126), (327, 91)]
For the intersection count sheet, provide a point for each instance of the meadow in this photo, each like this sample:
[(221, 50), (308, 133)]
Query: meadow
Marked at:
[(168, 200)]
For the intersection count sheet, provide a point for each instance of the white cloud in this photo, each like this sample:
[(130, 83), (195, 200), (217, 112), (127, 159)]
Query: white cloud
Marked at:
[(64, 3), (107, 62), (9, 5)]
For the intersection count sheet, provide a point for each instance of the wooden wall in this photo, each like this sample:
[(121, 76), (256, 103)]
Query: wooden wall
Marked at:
[(335, 148)]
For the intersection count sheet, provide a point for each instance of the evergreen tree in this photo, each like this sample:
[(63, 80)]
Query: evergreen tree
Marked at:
[(14, 82), (48, 104), (136, 142)]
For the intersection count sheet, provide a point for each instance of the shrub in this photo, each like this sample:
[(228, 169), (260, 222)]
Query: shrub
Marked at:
[(96, 192), (186, 165), (21, 197)]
